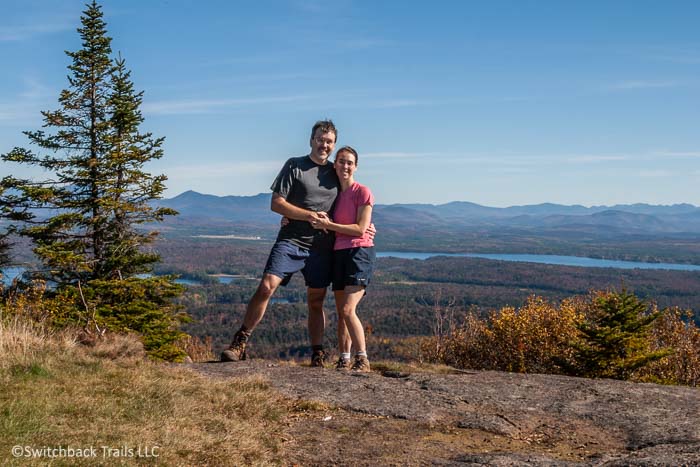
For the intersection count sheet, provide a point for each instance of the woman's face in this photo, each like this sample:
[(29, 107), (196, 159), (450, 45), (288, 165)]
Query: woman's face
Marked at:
[(345, 165)]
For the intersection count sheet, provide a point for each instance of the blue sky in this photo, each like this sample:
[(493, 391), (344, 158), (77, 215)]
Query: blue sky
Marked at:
[(496, 102)]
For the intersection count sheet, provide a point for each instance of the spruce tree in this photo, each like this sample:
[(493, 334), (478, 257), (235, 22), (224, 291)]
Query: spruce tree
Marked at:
[(5, 210), (64, 215), (615, 337), (84, 218), (130, 190), (4, 251), (123, 298)]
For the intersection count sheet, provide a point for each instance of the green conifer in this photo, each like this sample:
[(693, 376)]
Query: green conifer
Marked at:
[(615, 337), (66, 219), (83, 219), (4, 251), (5, 210)]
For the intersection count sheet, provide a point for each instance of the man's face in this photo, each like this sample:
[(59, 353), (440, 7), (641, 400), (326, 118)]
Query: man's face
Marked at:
[(322, 144)]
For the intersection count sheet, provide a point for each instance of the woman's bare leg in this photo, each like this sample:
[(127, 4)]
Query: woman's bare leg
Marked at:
[(344, 342), (351, 298)]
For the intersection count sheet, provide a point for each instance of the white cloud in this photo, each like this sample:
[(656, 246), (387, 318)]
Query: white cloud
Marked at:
[(26, 108), (199, 172), (656, 173), (227, 82), (515, 160), (20, 33), (597, 158), (321, 7), (681, 154), (34, 90), (687, 56), (397, 103), (19, 113), (504, 170), (362, 43), (643, 84), (204, 106), (396, 155)]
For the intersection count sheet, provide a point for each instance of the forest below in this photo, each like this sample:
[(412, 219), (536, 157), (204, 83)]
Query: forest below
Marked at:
[(401, 302)]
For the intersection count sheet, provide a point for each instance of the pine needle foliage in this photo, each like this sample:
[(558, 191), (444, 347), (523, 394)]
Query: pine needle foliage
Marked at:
[(615, 337), (4, 250), (84, 219), (5, 212)]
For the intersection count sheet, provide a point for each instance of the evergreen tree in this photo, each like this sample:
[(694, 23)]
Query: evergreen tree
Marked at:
[(4, 251), (615, 337), (83, 219), (4, 244), (130, 190), (64, 214)]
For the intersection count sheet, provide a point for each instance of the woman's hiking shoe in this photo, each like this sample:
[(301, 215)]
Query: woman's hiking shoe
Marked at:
[(343, 364), (361, 364), (236, 351), (318, 359)]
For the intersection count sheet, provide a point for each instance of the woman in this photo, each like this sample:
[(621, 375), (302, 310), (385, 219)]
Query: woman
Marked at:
[(353, 260)]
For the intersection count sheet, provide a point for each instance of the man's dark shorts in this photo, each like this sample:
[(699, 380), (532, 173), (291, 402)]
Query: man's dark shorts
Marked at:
[(286, 258), (353, 266)]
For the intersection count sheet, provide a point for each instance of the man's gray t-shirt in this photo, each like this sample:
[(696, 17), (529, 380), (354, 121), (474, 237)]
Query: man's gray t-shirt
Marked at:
[(307, 185)]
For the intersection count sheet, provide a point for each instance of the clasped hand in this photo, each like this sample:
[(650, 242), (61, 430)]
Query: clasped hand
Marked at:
[(319, 220)]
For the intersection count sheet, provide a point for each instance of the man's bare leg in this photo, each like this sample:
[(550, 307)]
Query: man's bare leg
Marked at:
[(258, 303), (317, 323), (317, 319), (253, 315)]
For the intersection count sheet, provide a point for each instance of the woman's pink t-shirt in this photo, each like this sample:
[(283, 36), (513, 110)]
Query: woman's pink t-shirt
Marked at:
[(347, 204)]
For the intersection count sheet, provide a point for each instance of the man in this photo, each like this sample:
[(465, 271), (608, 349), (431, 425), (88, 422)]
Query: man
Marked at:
[(303, 191)]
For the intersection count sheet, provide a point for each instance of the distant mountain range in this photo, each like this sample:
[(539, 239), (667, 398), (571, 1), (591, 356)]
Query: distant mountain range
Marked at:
[(623, 219)]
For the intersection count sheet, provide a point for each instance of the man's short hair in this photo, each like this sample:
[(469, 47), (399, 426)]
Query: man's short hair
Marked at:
[(326, 126)]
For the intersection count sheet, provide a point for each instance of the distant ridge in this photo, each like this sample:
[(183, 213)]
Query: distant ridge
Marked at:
[(227, 208), (636, 218)]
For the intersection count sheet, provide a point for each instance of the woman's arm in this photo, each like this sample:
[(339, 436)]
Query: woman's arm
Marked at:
[(364, 217)]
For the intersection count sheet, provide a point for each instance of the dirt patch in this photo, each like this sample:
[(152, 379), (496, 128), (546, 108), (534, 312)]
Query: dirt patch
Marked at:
[(479, 418), (349, 438)]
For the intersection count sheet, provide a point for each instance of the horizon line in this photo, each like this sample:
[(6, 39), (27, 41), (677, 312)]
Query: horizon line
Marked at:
[(592, 206)]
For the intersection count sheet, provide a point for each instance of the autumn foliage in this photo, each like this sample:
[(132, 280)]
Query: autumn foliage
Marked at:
[(605, 334)]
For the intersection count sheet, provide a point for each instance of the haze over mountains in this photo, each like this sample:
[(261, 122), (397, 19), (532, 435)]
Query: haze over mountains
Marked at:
[(639, 219)]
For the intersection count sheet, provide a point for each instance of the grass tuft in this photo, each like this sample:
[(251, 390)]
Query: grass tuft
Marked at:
[(58, 393)]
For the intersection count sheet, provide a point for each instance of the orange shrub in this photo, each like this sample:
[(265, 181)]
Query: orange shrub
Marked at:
[(533, 338), (542, 337), (675, 330), (536, 337), (33, 303)]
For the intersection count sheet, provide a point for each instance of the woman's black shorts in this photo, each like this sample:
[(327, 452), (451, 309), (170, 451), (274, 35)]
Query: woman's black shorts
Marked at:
[(353, 266)]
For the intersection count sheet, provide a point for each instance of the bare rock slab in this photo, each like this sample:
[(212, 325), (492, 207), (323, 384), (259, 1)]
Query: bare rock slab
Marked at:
[(617, 422)]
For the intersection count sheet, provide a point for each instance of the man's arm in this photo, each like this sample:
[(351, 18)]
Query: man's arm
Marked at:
[(287, 209)]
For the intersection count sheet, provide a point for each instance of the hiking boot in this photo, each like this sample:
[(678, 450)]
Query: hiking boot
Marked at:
[(361, 364), (343, 364), (236, 351), (318, 359)]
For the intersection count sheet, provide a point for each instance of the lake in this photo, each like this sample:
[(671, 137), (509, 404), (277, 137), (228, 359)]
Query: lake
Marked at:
[(547, 259), (10, 273)]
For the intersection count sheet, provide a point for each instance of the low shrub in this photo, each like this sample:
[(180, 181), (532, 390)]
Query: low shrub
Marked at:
[(605, 334)]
